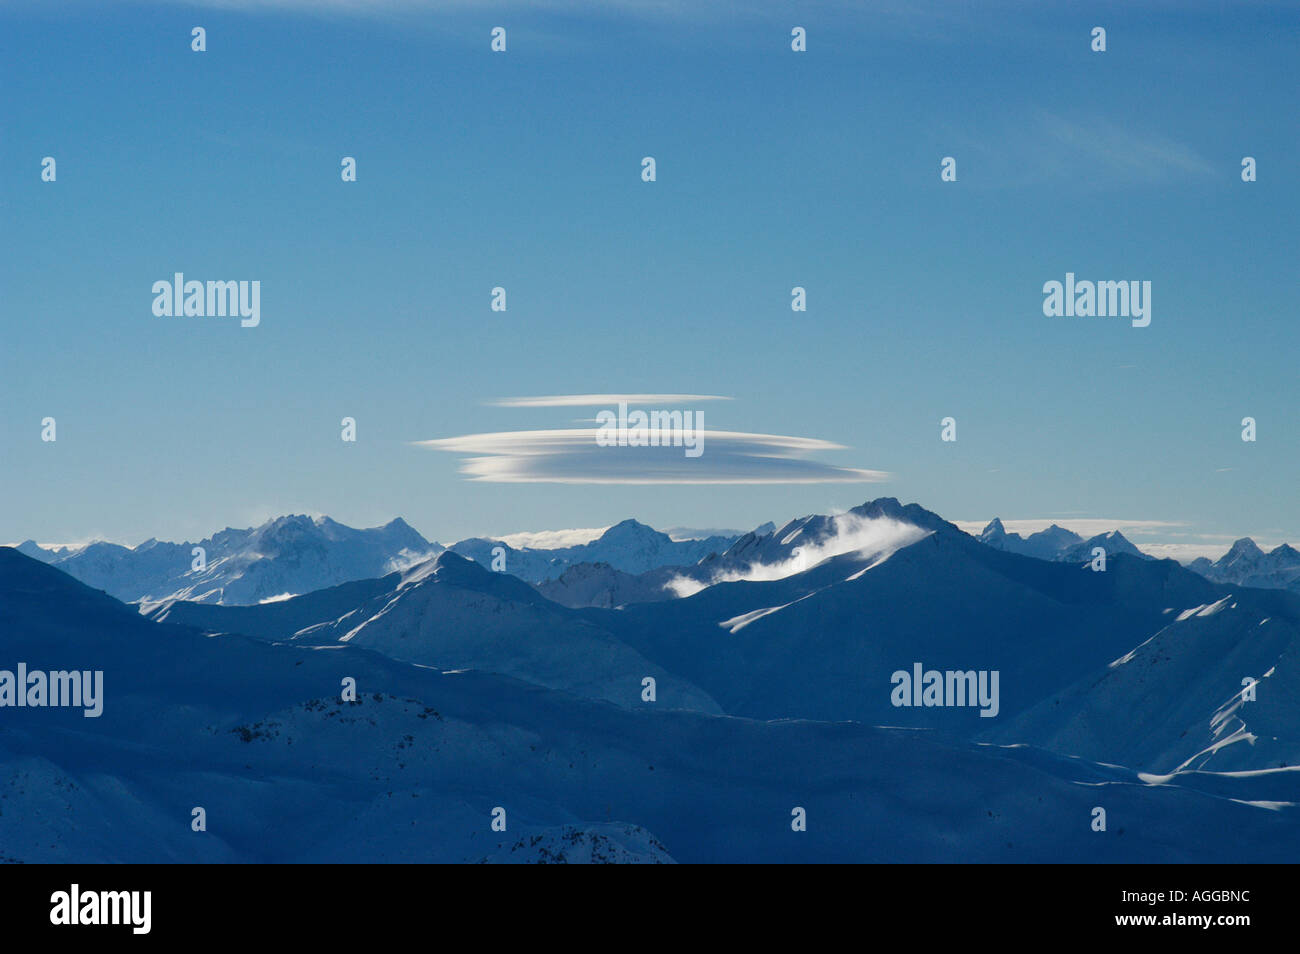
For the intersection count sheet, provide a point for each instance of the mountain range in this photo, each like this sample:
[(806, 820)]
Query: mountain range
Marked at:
[(628, 547), (627, 563), (759, 681), (297, 554), (252, 731), (1057, 543), (1246, 564)]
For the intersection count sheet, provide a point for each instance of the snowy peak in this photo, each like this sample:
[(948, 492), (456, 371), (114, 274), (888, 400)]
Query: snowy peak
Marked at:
[(32, 549), (1282, 557), (1112, 543), (450, 613), (1050, 544), (1247, 564), (1243, 550), (288, 534), (401, 532), (914, 514), (632, 533), (810, 550), (452, 569)]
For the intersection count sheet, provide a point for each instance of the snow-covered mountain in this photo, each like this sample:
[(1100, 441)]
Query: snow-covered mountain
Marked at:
[(809, 621), (1057, 543), (1112, 543), (628, 547), (1047, 544), (599, 584), (255, 734), (1218, 687), (875, 528), (450, 613), (34, 550), (823, 643), (284, 556), (292, 555), (1246, 564)]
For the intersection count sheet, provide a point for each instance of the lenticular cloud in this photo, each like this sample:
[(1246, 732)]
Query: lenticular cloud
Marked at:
[(573, 456)]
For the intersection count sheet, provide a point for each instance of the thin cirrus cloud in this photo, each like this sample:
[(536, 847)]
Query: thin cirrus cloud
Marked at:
[(1045, 147), (573, 455), (657, 8), (603, 400), (1130, 153)]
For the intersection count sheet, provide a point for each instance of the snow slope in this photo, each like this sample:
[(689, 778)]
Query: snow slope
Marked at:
[(1119, 689), (824, 644), (599, 584), (1177, 702), (255, 734), (451, 613), (875, 529)]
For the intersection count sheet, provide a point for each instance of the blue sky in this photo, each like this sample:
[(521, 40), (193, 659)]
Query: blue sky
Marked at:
[(522, 170)]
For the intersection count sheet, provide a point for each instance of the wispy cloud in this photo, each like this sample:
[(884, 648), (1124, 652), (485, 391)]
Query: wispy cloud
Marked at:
[(1183, 552), (645, 8), (603, 400), (551, 539), (1131, 153), (1046, 147), (945, 18)]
